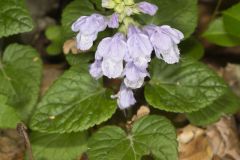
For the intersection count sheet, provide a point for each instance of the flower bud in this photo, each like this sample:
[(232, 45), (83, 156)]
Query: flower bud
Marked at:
[(113, 21), (147, 8), (129, 2), (119, 8), (125, 97), (118, 1), (110, 4)]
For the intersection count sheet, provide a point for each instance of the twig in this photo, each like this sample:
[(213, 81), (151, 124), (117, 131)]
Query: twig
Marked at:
[(219, 2), (22, 130)]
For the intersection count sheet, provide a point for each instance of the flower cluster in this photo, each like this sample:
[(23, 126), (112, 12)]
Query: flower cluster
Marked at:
[(127, 54)]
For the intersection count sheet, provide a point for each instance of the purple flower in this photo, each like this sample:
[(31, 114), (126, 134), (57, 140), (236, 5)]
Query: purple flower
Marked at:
[(139, 46), (112, 69), (125, 97), (134, 76), (147, 8), (126, 57), (149, 29), (85, 42), (111, 51), (164, 40), (112, 47), (175, 34), (90, 24), (88, 28), (113, 21), (96, 70)]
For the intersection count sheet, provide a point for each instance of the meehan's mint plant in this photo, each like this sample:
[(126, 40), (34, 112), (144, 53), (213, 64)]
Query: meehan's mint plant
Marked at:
[(129, 55), (126, 54)]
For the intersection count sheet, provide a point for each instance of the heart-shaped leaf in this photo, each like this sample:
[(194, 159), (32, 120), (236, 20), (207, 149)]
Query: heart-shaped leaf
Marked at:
[(184, 87), (151, 135), (58, 146), (227, 104), (20, 76), (73, 103), (192, 48), (217, 34), (231, 19), (55, 34), (14, 18), (79, 59), (8, 116)]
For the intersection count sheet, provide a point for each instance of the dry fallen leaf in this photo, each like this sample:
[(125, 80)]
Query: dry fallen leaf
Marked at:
[(193, 144), (223, 139), (141, 112), (12, 146), (218, 142), (231, 73), (70, 46), (50, 74)]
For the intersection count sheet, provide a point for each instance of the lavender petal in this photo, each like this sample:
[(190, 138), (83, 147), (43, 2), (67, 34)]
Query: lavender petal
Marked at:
[(125, 98), (113, 21), (96, 70), (147, 8)]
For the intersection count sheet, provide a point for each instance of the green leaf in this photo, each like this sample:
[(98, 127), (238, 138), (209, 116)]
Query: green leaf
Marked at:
[(9, 118), (72, 12), (184, 87), (227, 104), (58, 146), (54, 49), (79, 59), (180, 14), (151, 135), (231, 19), (20, 76), (217, 34), (192, 48), (75, 102), (98, 5), (14, 18), (55, 35)]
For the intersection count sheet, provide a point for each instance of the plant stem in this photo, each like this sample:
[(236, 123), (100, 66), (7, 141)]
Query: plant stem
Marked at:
[(22, 131), (219, 2)]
